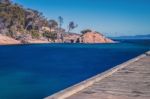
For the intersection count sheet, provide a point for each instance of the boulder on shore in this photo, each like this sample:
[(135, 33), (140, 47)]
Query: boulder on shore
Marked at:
[(94, 37)]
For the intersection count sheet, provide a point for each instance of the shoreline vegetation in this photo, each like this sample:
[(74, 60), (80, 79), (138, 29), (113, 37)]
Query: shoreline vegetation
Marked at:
[(19, 25)]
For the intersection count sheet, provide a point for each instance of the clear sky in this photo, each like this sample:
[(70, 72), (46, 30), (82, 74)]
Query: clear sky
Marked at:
[(111, 17)]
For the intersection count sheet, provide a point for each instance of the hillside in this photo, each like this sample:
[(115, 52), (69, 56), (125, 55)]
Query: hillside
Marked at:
[(26, 25)]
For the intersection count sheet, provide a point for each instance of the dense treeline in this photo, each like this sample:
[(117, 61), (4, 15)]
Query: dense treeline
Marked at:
[(20, 23), (26, 25)]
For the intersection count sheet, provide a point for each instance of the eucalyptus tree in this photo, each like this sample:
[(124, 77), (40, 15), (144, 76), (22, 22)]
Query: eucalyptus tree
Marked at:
[(50, 36), (72, 26), (52, 24), (61, 21), (59, 30)]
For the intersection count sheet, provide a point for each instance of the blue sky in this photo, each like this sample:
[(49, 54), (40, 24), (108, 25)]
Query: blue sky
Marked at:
[(111, 17)]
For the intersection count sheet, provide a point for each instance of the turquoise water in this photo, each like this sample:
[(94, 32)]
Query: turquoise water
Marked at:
[(36, 71)]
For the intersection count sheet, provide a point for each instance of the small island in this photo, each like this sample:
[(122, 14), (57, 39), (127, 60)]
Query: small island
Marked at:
[(19, 25)]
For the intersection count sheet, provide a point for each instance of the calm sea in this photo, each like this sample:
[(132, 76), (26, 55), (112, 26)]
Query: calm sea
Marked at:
[(36, 71)]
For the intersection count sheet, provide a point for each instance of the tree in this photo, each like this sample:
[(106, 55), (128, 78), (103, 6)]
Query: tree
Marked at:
[(52, 24), (29, 23), (71, 26), (85, 31), (12, 32), (50, 35), (2, 25), (60, 20), (35, 34)]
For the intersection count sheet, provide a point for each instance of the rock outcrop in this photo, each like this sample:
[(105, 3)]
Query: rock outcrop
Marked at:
[(72, 38), (89, 37), (94, 37), (7, 40)]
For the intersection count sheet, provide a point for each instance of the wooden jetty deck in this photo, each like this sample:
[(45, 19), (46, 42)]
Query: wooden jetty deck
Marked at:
[(130, 80)]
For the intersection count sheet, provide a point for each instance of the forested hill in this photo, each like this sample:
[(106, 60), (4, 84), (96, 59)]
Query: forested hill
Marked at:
[(19, 23), (30, 26)]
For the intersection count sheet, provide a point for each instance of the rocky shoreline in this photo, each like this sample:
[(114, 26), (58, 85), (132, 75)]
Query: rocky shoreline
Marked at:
[(89, 37), (19, 25), (5, 40)]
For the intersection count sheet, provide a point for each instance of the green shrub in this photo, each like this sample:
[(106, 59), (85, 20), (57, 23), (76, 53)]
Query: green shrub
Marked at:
[(35, 34), (50, 35), (85, 31)]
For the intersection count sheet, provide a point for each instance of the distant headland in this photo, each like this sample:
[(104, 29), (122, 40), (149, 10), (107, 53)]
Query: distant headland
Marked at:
[(19, 25)]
